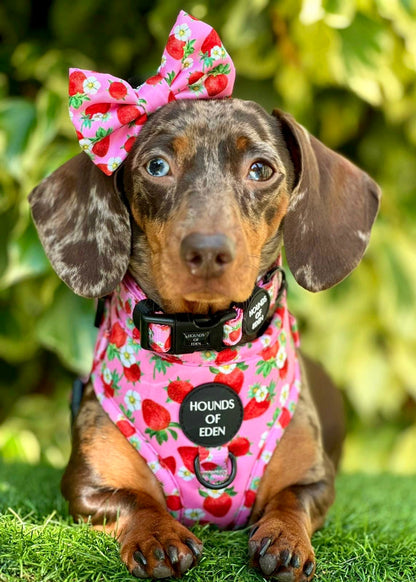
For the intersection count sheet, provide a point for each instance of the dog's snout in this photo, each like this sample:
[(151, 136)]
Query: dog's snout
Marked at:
[(207, 255)]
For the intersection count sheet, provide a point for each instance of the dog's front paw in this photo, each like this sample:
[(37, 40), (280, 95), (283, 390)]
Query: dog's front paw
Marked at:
[(281, 548), (159, 547)]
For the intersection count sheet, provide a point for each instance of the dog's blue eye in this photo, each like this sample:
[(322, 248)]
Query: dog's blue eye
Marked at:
[(157, 167), (260, 172)]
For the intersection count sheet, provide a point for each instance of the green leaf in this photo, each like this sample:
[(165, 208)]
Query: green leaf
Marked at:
[(17, 120), (67, 328), (26, 257)]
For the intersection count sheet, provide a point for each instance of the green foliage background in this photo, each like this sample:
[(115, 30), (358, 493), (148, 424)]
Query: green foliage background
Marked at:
[(345, 69)]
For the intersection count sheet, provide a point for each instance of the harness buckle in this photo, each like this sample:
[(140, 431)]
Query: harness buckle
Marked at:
[(189, 333)]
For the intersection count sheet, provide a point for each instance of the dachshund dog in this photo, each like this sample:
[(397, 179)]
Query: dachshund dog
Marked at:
[(198, 213)]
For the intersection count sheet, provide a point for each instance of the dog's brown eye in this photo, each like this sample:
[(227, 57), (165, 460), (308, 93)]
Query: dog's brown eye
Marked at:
[(260, 171), (157, 167)]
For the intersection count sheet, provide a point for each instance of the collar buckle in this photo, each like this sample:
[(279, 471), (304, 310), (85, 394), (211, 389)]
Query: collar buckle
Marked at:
[(188, 333)]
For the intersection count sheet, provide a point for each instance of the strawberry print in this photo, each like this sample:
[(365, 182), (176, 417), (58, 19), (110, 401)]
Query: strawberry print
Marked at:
[(254, 409), (158, 421), (226, 355), (128, 114), (97, 109), (191, 46), (217, 503), (211, 40), (118, 336), (175, 48), (215, 84), (188, 455), (76, 82), (195, 77), (169, 463), (178, 389), (249, 498), (101, 147), (126, 427), (235, 379), (173, 502), (239, 446), (117, 90), (128, 145), (132, 373), (155, 416), (284, 418), (154, 80)]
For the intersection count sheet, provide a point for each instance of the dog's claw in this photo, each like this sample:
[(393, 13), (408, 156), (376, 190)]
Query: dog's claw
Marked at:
[(138, 556), (195, 548), (173, 555), (308, 568), (159, 554), (285, 556), (252, 548), (295, 561), (253, 530), (264, 546)]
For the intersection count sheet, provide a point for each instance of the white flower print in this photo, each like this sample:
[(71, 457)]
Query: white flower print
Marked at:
[(215, 493), (263, 438), (281, 357), (194, 514), (187, 63), (113, 163), (91, 85), (127, 355), (185, 474), (182, 32), (162, 63), (154, 466), (133, 400), (135, 442), (107, 375), (284, 394), (86, 145), (227, 369), (101, 116), (217, 52), (261, 393), (266, 456)]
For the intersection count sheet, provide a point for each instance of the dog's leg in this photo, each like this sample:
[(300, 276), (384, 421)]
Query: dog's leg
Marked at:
[(293, 498), (108, 482)]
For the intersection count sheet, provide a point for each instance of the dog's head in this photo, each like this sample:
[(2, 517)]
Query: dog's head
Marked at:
[(201, 207)]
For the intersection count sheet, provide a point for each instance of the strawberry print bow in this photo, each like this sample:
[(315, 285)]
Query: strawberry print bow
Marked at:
[(108, 113)]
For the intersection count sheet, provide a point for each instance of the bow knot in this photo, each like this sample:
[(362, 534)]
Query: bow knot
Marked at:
[(108, 113)]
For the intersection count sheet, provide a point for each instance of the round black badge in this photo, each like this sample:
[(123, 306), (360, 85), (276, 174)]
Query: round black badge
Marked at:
[(256, 312), (211, 414)]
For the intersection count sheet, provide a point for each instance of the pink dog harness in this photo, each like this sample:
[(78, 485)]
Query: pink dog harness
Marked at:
[(206, 423)]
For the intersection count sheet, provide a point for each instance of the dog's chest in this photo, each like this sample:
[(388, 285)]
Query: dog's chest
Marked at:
[(206, 423)]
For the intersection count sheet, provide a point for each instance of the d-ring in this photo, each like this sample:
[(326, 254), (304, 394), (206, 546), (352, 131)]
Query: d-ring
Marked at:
[(222, 484)]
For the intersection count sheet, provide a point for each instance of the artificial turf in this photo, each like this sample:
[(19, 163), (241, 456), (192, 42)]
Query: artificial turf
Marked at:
[(370, 535)]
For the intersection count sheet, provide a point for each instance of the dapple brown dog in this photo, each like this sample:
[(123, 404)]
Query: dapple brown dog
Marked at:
[(242, 182)]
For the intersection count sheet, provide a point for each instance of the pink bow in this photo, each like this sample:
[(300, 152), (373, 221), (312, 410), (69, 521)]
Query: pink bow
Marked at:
[(108, 113)]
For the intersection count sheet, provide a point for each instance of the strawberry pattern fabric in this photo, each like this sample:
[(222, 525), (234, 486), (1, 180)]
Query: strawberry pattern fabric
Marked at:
[(144, 393), (108, 113)]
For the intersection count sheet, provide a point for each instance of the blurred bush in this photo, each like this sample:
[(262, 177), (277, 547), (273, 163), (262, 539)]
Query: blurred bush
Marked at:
[(344, 68)]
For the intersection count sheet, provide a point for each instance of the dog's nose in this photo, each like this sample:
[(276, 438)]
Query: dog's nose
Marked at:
[(207, 255)]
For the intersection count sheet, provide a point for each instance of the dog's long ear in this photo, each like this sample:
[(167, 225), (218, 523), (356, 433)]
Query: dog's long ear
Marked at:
[(84, 227), (331, 211)]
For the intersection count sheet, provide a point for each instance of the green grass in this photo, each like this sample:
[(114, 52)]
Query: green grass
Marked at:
[(370, 535)]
